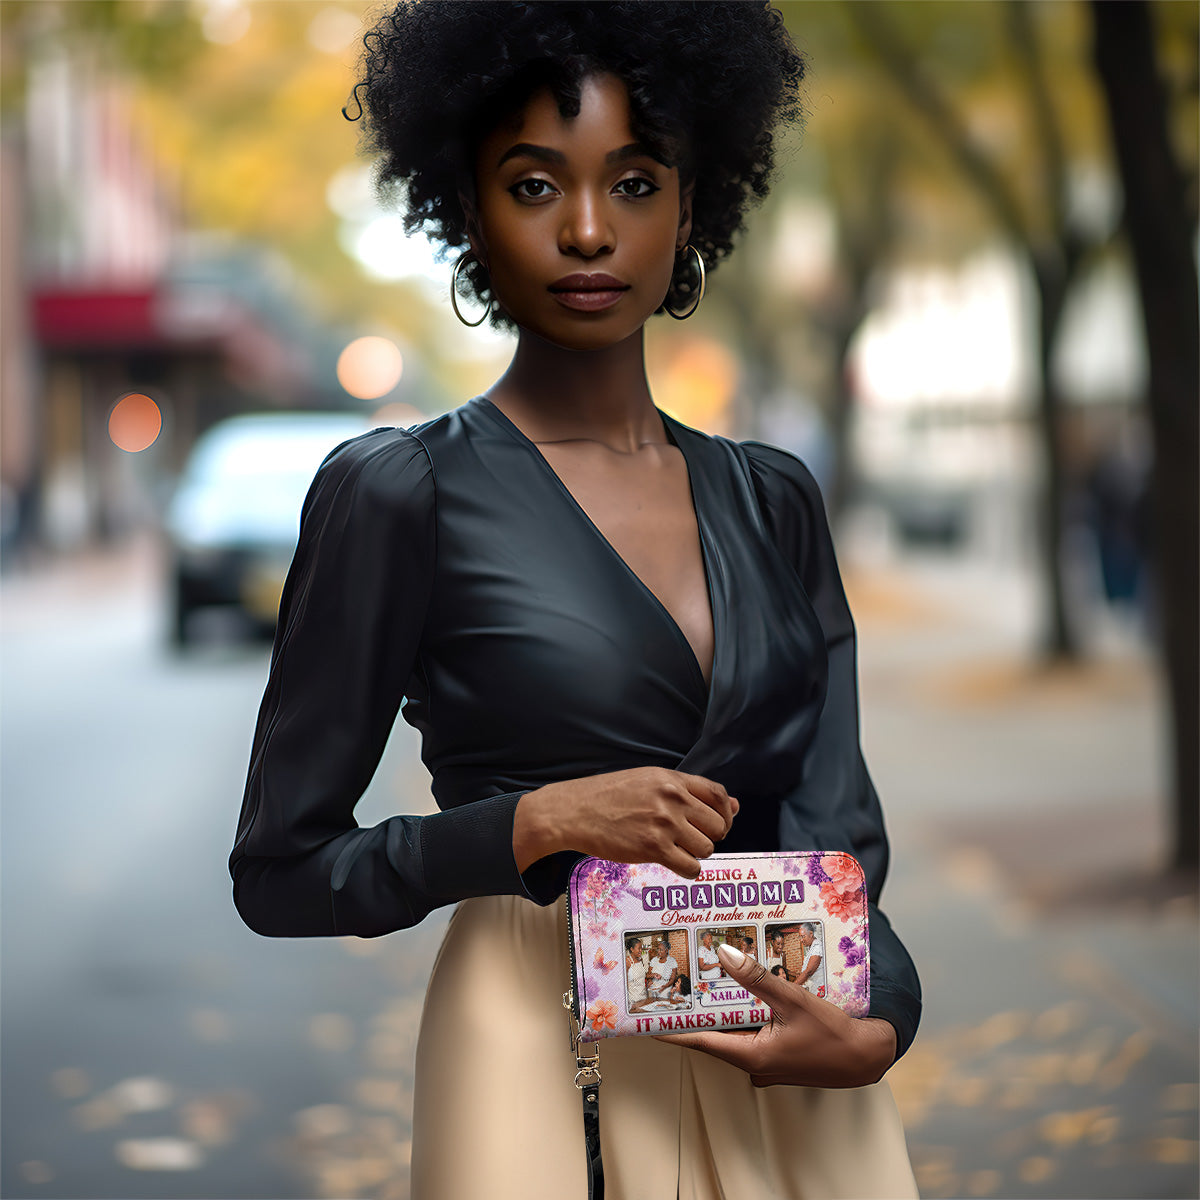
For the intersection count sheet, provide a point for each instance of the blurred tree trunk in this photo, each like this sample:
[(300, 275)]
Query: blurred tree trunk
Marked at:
[(1055, 257), (1160, 228), (1051, 247), (1052, 286), (754, 329), (841, 417), (866, 233)]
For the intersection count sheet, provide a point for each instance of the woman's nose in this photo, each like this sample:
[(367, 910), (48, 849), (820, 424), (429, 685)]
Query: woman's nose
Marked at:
[(586, 230)]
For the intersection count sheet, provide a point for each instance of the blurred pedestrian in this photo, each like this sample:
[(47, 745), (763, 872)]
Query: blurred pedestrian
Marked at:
[(1117, 490)]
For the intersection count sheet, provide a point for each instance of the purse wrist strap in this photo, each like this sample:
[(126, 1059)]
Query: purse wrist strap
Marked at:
[(587, 1080), (591, 1139)]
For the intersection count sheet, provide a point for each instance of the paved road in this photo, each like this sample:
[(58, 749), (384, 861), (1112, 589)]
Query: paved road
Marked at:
[(153, 1047)]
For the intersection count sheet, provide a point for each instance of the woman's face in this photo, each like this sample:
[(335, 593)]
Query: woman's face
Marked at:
[(577, 224)]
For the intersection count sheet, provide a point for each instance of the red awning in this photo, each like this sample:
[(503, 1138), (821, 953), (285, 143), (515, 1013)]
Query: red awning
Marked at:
[(99, 320), (122, 322)]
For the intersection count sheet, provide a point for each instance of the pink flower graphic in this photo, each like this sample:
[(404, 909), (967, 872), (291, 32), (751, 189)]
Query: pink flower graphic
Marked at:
[(597, 927), (602, 1015), (841, 905), (843, 872)]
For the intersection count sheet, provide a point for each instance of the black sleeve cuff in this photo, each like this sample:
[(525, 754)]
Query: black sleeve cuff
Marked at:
[(901, 1010), (467, 851), (547, 879), (895, 985)]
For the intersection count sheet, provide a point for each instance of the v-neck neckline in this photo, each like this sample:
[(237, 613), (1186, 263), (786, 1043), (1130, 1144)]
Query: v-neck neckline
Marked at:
[(706, 556)]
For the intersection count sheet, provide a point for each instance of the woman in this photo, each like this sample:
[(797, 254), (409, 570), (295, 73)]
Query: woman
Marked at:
[(635, 975), (617, 635), (775, 951), (812, 969), (707, 960), (663, 971)]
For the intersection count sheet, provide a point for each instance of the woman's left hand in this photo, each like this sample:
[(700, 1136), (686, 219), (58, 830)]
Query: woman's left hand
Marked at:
[(809, 1042)]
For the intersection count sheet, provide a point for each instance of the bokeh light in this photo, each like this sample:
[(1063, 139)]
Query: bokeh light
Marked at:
[(225, 21), (369, 367), (398, 414), (134, 423), (333, 29), (697, 383)]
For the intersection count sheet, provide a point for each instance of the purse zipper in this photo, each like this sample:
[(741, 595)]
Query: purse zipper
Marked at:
[(570, 1001), (587, 1065)]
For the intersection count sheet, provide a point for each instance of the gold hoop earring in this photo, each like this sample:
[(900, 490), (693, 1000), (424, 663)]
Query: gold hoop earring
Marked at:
[(699, 291), (458, 266)]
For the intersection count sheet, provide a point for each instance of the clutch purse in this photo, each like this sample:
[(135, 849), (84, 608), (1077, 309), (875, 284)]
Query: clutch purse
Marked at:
[(644, 950), (644, 940)]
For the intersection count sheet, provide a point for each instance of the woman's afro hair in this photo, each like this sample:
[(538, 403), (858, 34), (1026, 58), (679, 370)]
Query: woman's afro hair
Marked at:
[(708, 84)]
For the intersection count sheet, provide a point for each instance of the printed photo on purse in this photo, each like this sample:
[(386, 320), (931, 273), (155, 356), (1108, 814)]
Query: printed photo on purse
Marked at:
[(644, 940)]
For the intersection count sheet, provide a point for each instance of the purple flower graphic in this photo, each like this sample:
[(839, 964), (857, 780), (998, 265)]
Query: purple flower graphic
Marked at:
[(793, 868), (620, 878), (615, 874), (855, 955), (606, 884), (816, 873)]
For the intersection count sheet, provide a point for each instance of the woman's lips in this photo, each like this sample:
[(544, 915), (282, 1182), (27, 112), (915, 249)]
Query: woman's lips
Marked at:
[(588, 293), (590, 301)]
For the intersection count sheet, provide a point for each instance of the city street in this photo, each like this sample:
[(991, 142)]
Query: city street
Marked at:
[(154, 1047), (963, 291)]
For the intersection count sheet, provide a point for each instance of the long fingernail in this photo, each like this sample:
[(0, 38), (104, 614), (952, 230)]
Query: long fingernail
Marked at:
[(730, 956)]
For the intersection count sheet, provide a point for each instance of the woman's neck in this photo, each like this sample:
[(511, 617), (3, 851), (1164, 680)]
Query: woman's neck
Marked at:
[(601, 395)]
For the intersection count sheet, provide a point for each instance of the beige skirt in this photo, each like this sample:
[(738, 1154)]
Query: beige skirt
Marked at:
[(496, 1114)]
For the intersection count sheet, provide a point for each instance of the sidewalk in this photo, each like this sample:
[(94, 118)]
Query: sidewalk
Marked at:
[(1058, 1051), (36, 593)]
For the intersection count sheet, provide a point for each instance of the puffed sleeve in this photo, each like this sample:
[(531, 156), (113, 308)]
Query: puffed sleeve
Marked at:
[(350, 625), (834, 805)]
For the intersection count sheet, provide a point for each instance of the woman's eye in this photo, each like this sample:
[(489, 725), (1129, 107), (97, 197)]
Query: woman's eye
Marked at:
[(636, 185), (531, 189)]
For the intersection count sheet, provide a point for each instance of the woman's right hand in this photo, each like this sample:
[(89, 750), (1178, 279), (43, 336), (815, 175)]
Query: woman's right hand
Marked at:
[(645, 814)]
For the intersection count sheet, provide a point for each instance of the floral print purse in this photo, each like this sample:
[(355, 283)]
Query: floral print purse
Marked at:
[(643, 939), (643, 950)]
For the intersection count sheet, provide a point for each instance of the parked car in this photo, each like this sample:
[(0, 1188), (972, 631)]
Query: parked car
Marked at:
[(234, 519)]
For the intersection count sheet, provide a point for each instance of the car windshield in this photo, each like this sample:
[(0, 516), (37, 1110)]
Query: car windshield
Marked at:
[(260, 457), (246, 478)]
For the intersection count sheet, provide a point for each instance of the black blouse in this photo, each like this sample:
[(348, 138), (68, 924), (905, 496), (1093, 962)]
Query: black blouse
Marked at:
[(448, 566)]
